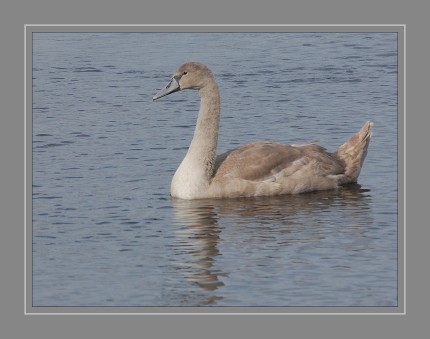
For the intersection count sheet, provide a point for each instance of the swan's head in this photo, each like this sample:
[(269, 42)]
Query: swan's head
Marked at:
[(192, 75)]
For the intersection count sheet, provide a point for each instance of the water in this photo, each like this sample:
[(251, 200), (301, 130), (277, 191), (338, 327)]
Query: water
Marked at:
[(107, 233)]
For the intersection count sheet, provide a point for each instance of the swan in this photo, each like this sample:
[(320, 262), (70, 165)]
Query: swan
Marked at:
[(256, 169)]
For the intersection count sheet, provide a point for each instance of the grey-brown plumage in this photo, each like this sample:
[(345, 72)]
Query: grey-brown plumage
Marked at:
[(260, 168)]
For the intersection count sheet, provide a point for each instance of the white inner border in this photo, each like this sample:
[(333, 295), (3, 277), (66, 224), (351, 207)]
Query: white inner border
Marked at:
[(212, 313)]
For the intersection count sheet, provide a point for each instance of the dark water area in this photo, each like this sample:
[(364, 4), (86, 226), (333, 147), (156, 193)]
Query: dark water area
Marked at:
[(107, 233)]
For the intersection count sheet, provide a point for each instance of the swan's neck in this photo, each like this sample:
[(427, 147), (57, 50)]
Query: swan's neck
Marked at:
[(205, 139), (194, 174)]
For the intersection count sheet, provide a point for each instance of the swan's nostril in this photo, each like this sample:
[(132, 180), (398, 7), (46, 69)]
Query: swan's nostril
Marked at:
[(171, 87)]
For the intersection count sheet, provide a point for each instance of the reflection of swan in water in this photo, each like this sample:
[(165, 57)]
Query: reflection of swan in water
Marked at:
[(204, 221), (199, 238)]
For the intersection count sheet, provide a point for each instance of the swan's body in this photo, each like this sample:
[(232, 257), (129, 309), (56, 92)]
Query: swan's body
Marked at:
[(260, 168)]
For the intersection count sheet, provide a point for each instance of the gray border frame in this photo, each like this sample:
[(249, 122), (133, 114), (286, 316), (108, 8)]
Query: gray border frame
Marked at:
[(400, 309)]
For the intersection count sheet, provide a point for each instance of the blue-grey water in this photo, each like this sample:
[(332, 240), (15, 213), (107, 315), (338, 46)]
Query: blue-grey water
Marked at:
[(107, 233)]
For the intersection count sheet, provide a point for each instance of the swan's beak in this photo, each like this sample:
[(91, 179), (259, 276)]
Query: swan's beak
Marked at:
[(172, 86)]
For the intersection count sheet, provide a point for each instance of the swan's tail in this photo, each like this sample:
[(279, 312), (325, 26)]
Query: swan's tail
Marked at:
[(353, 152)]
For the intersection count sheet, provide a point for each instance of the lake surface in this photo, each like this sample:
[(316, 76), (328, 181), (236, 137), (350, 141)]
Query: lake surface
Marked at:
[(107, 233)]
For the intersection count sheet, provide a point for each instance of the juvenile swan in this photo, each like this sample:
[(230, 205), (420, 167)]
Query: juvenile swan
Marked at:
[(260, 168)]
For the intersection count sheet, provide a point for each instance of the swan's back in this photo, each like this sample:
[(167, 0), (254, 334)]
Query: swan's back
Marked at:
[(261, 160)]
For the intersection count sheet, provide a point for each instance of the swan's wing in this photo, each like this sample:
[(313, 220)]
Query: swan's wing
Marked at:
[(263, 161)]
